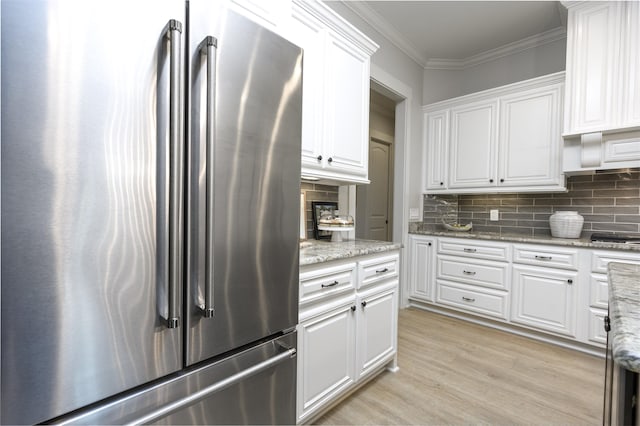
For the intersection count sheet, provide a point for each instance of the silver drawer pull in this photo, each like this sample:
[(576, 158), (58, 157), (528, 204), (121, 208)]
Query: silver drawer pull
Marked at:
[(469, 272), (468, 250), (382, 271), (468, 299), (329, 285), (543, 257)]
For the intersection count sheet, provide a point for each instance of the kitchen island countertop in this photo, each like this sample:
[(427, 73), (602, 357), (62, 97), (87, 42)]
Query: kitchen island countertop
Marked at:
[(624, 313), (315, 251)]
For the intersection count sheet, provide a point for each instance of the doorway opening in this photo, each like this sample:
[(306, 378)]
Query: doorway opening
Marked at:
[(374, 202)]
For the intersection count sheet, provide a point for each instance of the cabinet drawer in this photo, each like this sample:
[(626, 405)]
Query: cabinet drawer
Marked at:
[(596, 326), (487, 302), (600, 259), (377, 269), (475, 272), (599, 291), (316, 284), (550, 257), (473, 248)]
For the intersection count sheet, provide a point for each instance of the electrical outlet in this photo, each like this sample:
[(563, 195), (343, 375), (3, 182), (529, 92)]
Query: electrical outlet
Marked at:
[(494, 215), (414, 213)]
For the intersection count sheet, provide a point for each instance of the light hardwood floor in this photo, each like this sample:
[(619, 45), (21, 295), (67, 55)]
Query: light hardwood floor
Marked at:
[(454, 372)]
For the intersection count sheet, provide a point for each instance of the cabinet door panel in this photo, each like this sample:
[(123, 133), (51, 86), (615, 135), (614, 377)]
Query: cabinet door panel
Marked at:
[(347, 121), (376, 330), (631, 81), (473, 145), (544, 298), (437, 139), (596, 326), (308, 34), (591, 72), (422, 268), (530, 139), (326, 359)]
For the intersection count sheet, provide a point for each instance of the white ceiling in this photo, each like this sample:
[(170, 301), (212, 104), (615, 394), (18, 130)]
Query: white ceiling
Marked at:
[(456, 32)]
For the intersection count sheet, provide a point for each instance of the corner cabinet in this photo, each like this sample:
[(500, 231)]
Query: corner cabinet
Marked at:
[(603, 67), (348, 327), (501, 140), (335, 105)]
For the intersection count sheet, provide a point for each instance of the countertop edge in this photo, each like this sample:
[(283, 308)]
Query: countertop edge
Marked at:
[(516, 238), (321, 252), (624, 314)]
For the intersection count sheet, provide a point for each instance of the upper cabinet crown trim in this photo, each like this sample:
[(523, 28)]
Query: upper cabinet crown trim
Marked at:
[(336, 23)]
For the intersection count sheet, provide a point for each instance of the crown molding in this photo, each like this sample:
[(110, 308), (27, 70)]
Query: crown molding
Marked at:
[(331, 19), (531, 42), (397, 39), (378, 23)]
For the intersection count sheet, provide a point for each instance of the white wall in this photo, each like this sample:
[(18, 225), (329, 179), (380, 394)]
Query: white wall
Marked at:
[(381, 118), (445, 84)]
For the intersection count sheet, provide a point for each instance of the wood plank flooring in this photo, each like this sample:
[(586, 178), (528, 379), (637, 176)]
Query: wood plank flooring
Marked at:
[(454, 372)]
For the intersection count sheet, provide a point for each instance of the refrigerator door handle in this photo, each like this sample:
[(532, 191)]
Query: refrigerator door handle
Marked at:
[(174, 35), (208, 47), (196, 397)]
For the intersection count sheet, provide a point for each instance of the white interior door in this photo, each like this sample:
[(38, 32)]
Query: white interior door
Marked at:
[(375, 198)]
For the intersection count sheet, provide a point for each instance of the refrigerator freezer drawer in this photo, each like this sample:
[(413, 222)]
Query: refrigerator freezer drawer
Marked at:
[(255, 386)]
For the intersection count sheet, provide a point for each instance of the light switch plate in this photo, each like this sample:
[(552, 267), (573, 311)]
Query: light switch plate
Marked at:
[(414, 213)]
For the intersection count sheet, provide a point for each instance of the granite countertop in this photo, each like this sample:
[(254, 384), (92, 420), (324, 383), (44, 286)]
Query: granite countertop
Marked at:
[(313, 251), (624, 313), (519, 238)]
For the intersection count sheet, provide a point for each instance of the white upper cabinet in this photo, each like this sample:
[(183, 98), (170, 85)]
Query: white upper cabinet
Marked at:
[(347, 119), (603, 92), (631, 78), (309, 33), (436, 129), (335, 101), (472, 159), (501, 140), (529, 134)]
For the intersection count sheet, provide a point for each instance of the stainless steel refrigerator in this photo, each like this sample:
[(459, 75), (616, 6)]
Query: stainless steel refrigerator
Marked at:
[(150, 188)]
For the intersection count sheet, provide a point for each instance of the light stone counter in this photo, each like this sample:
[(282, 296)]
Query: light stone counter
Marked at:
[(624, 313), (519, 238), (324, 251)]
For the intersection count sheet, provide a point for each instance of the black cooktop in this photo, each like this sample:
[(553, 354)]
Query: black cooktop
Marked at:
[(615, 238)]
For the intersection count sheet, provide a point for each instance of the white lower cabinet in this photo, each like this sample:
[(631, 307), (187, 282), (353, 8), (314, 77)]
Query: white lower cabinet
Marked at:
[(473, 276), (326, 357), (599, 289), (544, 298), (347, 329), (559, 292)]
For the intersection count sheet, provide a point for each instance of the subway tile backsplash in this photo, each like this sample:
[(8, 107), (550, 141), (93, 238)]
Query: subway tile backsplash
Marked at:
[(316, 192), (608, 202)]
